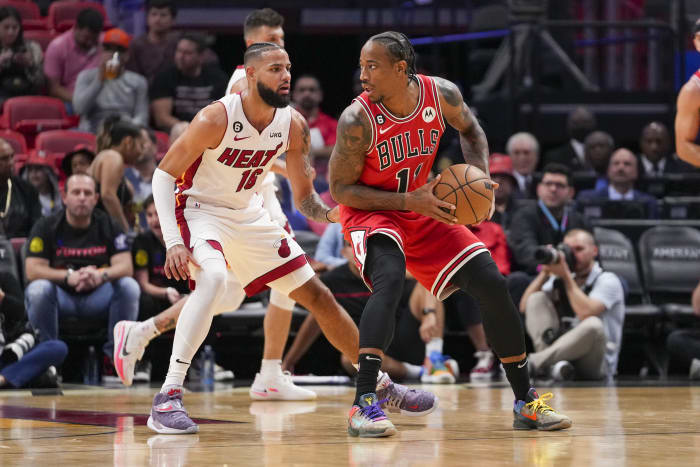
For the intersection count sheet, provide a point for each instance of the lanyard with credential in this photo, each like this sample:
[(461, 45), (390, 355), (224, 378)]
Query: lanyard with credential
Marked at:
[(556, 226)]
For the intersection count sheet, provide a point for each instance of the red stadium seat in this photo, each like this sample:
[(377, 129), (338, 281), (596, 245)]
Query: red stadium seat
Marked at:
[(42, 36), (163, 144), (63, 141), (29, 12), (16, 140), (33, 114), (62, 15)]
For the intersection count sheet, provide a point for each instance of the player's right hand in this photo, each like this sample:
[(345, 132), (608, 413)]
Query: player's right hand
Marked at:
[(177, 260), (423, 201)]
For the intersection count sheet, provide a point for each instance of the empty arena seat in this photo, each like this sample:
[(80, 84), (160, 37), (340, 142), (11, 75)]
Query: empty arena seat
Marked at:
[(16, 140), (32, 114), (681, 207), (29, 12), (670, 258), (42, 37), (62, 15), (63, 141)]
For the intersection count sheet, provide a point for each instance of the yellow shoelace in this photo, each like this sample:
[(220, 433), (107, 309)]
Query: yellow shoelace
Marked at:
[(539, 404)]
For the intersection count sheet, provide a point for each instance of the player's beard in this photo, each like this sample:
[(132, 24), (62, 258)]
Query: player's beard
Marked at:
[(271, 98)]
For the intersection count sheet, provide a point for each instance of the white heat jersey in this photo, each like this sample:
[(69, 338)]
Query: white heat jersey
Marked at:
[(231, 175), (239, 74)]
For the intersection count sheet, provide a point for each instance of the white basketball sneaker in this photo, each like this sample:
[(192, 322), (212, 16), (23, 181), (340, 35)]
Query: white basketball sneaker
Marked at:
[(129, 346), (278, 387)]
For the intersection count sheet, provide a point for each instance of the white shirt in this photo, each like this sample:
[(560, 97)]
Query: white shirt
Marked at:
[(615, 195), (649, 166), (579, 150), (522, 181)]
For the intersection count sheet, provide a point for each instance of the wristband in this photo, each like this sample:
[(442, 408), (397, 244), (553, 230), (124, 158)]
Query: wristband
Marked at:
[(427, 311)]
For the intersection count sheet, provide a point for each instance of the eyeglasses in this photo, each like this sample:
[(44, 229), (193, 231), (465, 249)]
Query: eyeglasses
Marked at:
[(557, 185)]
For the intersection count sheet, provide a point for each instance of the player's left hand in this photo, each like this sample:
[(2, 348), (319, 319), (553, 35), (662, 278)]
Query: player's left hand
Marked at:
[(334, 215), (493, 202)]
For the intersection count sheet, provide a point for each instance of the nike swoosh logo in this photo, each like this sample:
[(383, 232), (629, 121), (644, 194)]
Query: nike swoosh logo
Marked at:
[(236, 138), (532, 417), (375, 359), (126, 339), (522, 364), (384, 130), (413, 407), (180, 361)]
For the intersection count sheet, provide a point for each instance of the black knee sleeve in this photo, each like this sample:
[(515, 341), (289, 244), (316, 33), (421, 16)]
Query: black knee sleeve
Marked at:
[(481, 279), (386, 268)]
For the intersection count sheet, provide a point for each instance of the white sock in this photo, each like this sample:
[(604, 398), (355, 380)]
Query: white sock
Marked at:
[(434, 345), (148, 328), (412, 371), (270, 367), (196, 316)]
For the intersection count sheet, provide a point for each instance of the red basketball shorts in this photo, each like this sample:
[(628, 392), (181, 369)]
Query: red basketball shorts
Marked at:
[(434, 251)]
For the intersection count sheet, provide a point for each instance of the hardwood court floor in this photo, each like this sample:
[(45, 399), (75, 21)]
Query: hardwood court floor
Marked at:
[(613, 426)]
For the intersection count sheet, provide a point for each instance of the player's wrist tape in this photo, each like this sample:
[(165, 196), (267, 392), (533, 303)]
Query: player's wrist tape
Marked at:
[(164, 198)]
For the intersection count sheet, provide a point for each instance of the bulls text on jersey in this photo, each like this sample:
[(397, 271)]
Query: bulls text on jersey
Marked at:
[(399, 147)]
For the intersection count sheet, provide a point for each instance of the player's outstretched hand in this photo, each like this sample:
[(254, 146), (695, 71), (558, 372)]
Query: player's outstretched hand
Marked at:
[(177, 260), (423, 201)]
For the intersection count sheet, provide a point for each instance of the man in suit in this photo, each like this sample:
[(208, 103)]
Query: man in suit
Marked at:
[(579, 124), (524, 151), (656, 158), (622, 174)]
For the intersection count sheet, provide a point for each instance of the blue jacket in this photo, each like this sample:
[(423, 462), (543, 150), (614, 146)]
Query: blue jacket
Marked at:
[(601, 194)]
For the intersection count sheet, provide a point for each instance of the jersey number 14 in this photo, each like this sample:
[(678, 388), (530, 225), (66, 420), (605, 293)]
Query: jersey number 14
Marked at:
[(404, 175)]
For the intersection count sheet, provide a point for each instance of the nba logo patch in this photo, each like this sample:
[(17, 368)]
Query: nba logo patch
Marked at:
[(380, 119), (428, 114)]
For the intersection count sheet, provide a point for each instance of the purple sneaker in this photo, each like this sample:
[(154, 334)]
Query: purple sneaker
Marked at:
[(412, 402), (168, 415)]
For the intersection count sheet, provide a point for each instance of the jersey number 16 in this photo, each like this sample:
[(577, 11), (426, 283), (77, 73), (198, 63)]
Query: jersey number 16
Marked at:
[(248, 179)]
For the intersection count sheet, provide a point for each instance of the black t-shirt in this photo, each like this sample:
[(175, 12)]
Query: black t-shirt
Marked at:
[(352, 293), (189, 94), (23, 210), (148, 253), (66, 247)]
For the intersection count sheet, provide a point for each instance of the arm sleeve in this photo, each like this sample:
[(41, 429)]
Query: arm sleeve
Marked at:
[(608, 290), (164, 197), (39, 241), (87, 87)]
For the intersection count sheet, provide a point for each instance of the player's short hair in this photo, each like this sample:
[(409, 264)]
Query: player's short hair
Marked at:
[(199, 40), (256, 50), (89, 18), (161, 4), (399, 48), (561, 169), (263, 17)]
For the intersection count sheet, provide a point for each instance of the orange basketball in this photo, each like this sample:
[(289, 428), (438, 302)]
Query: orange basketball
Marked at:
[(469, 189)]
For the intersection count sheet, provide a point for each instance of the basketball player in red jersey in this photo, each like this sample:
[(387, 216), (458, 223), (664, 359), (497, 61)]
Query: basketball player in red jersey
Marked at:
[(387, 140), (688, 113)]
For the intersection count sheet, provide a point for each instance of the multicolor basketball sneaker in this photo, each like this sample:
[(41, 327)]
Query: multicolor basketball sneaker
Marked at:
[(435, 370), (367, 420), (537, 415), (398, 398)]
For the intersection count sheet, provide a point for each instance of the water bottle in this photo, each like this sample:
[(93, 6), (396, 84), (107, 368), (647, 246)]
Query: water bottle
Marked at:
[(91, 372), (208, 361), (112, 67)]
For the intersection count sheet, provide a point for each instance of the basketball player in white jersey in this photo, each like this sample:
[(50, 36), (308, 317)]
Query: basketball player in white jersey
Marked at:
[(271, 383), (688, 113), (218, 234)]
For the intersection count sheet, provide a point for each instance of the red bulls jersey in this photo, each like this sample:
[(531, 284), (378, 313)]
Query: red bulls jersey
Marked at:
[(403, 148)]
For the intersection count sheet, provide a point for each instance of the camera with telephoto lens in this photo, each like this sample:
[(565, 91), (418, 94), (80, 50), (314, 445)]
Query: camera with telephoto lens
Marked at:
[(546, 254)]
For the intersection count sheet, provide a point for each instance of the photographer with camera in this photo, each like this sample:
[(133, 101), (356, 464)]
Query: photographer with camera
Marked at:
[(574, 311)]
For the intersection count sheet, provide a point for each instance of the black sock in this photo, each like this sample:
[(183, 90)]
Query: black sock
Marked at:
[(519, 378), (367, 376)]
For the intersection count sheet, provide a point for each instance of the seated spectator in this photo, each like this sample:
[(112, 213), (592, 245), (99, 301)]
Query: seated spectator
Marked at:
[(77, 161), (152, 52), (330, 246), (575, 318), (684, 344), (181, 90), (140, 175), (546, 222), (598, 147), (79, 268), (501, 169), (110, 89), (656, 157), (119, 144), (524, 152), (21, 67), (307, 96), (579, 124), (72, 52), (622, 175), (39, 172), (19, 201), (23, 362)]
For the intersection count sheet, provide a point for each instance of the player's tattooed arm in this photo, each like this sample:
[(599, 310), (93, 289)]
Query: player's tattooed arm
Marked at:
[(472, 139), (354, 137), (300, 172)]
